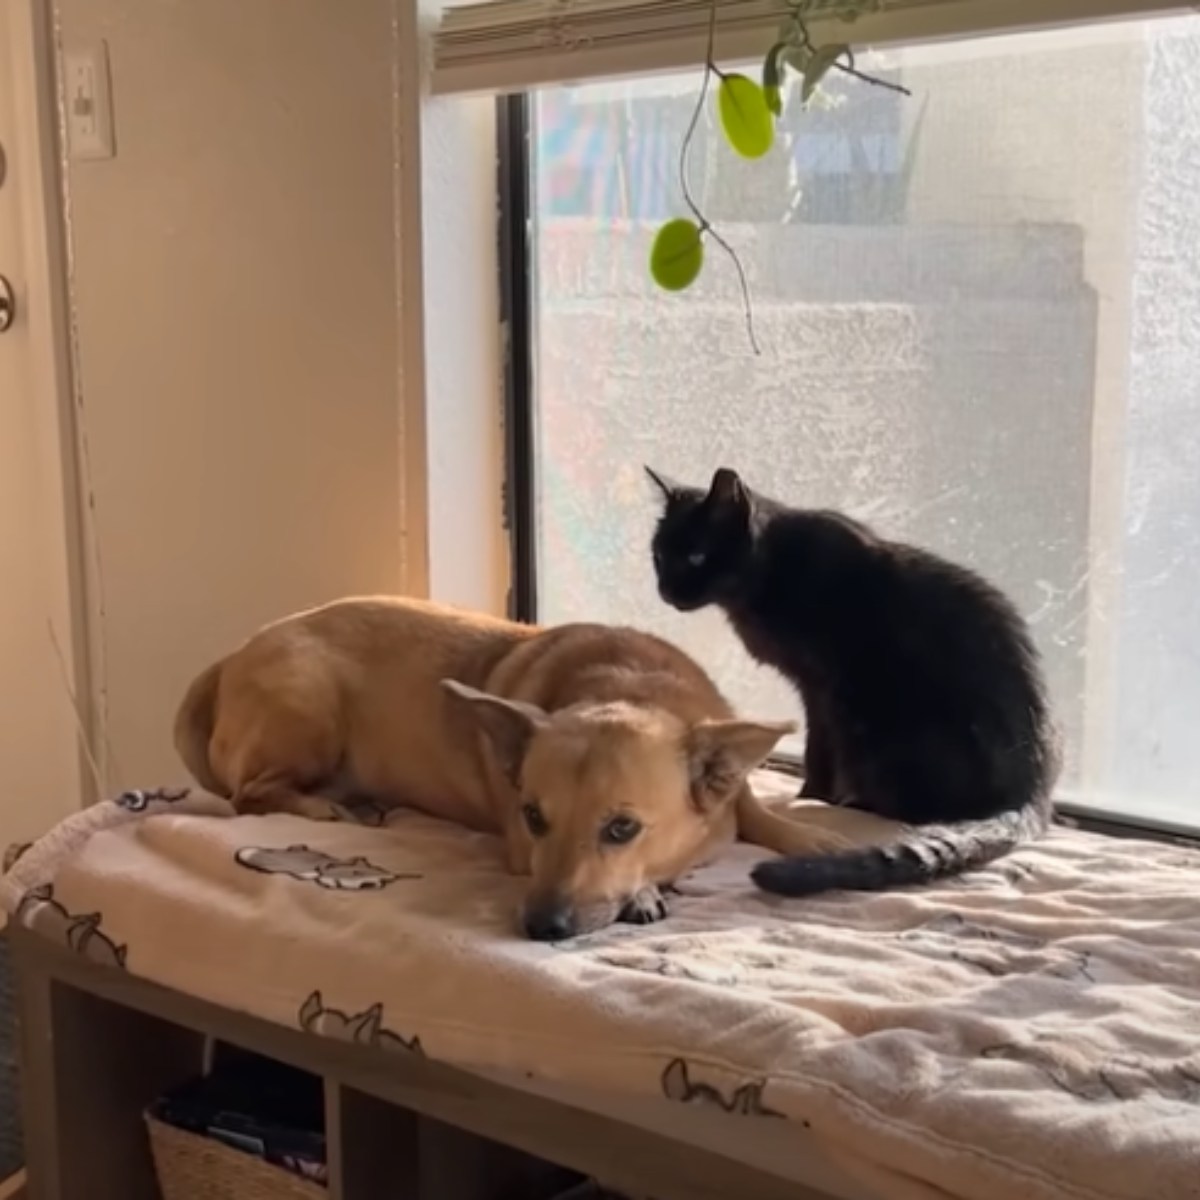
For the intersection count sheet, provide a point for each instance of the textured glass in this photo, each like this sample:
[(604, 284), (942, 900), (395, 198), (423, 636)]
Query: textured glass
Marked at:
[(979, 308)]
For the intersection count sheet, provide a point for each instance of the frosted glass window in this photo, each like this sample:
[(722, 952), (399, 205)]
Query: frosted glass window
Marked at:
[(979, 308)]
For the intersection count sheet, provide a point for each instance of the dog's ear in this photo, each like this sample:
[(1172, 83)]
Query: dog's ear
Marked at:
[(508, 725), (722, 753), (669, 487)]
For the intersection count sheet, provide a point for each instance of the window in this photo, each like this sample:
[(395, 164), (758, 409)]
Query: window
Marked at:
[(980, 315)]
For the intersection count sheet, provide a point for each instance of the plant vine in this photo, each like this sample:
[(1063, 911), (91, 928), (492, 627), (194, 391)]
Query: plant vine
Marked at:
[(747, 111)]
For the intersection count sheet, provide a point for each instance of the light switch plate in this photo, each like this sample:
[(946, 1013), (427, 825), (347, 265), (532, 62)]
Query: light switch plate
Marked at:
[(87, 93)]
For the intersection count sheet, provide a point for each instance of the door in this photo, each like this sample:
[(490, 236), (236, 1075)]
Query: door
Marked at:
[(40, 777)]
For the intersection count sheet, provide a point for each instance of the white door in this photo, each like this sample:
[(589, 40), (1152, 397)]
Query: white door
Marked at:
[(39, 761)]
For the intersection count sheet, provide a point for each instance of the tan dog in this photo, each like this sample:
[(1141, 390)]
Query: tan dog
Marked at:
[(607, 758)]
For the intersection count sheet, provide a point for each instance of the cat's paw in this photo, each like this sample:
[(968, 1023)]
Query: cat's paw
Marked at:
[(644, 907)]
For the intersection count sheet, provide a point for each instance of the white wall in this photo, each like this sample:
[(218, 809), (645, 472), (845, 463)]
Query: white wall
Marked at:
[(238, 336), (468, 549)]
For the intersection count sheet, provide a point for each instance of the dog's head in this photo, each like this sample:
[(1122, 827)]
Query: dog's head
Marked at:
[(613, 798)]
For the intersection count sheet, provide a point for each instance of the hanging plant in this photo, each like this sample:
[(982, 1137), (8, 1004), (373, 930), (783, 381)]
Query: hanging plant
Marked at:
[(747, 111)]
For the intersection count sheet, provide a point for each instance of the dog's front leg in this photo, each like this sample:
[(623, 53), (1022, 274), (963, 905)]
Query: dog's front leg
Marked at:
[(283, 800), (645, 907), (517, 848)]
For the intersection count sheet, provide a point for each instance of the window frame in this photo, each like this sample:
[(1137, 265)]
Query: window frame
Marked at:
[(514, 165), (517, 273)]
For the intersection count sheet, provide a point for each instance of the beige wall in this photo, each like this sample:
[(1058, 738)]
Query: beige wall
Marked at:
[(235, 300)]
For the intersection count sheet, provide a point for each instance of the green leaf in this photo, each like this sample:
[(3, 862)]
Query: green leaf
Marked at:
[(797, 57), (819, 65), (745, 116), (677, 254), (773, 77)]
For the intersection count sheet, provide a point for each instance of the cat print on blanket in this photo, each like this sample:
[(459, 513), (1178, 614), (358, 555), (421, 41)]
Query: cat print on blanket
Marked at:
[(14, 851), (141, 800), (1098, 1077), (80, 932), (996, 951), (671, 967), (744, 1101), (365, 1028), (1016, 873), (315, 866)]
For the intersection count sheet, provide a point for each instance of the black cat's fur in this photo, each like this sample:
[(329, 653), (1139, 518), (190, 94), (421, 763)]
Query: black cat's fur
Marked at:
[(922, 687)]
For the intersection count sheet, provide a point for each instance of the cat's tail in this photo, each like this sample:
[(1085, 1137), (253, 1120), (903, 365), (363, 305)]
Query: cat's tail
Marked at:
[(194, 727), (926, 853)]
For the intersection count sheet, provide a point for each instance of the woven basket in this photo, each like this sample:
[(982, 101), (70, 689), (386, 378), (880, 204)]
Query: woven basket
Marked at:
[(193, 1167)]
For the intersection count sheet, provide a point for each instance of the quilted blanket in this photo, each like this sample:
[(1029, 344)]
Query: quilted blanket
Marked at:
[(1032, 1029)]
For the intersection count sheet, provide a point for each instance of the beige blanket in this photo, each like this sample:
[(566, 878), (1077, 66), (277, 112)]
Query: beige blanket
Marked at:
[(1032, 1030)]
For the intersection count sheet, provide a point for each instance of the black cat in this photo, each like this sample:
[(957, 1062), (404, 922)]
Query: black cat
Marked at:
[(922, 688)]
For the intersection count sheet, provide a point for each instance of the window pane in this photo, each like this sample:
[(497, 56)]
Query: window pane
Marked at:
[(979, 308)]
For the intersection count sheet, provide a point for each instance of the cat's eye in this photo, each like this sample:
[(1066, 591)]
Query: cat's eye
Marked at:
[(696, 558), (620, 830), (535, 820)]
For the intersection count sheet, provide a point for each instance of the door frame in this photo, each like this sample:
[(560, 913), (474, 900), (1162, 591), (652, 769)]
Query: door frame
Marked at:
[(32, 61)]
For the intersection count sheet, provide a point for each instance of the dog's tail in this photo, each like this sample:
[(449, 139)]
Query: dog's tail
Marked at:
[(924, 854), (194, 727)]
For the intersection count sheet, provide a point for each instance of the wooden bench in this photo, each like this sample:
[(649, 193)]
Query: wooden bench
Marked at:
[(97, 1045)]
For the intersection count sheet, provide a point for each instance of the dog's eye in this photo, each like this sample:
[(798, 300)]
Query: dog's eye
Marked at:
[(696, 558), (620, 830), (535, 820)]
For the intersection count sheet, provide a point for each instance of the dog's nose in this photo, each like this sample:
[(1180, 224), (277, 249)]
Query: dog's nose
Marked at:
[(550, 923)]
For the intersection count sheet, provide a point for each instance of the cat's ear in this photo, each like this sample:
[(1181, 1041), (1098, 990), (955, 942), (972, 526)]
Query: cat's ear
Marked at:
[(508, 725), (722, 753), (668, 487), (728, 494)]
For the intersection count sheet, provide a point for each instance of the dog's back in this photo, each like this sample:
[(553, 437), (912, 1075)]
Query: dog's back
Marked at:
[(346, 697), (578, 663)]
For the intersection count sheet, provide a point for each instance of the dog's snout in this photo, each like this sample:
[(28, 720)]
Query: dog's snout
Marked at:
[(550, 922)]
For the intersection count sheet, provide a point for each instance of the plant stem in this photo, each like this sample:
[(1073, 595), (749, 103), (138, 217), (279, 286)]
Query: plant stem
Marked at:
[(686, 149), (711, 69), (848, 67), (745, 286)]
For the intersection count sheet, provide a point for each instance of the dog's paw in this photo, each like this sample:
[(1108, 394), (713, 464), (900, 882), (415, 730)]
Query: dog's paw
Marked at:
[(645, 907)]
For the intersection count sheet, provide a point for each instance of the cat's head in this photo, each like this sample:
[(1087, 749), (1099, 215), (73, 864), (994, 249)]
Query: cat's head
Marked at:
[(704, 539)]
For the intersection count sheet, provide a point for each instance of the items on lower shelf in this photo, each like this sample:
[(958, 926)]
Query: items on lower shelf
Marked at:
[(253, 1131)]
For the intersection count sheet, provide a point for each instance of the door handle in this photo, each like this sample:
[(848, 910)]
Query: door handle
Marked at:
[(8, 304)]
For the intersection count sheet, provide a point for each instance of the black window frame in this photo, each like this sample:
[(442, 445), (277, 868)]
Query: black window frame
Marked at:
[(514, 138), (515, 231)]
